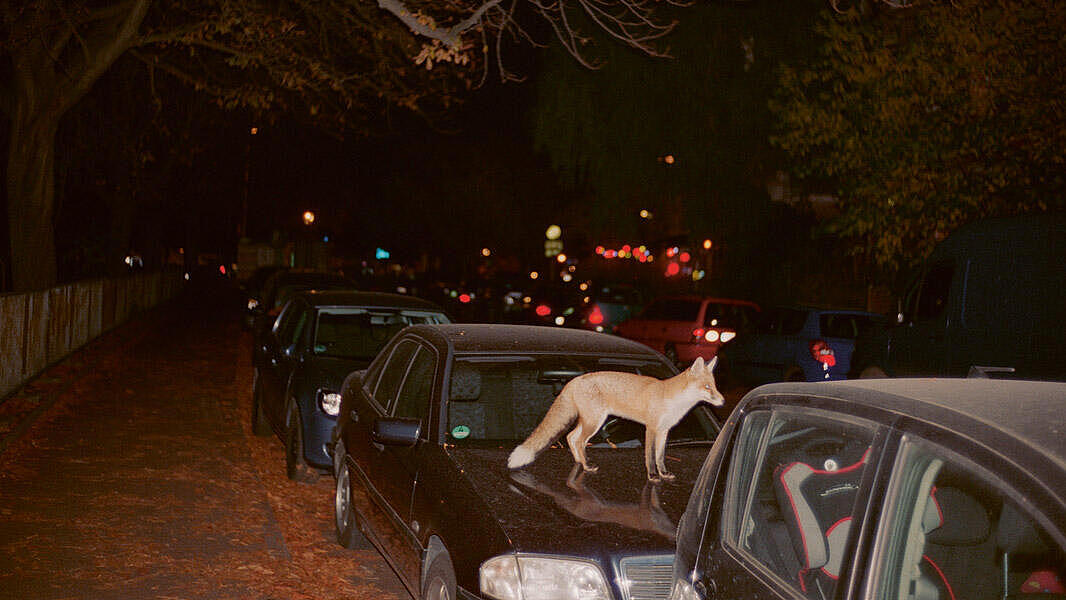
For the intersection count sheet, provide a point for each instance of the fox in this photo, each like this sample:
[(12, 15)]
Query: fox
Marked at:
[(589, 399)]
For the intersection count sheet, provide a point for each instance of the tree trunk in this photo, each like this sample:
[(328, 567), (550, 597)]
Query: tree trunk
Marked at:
[(31, 202)]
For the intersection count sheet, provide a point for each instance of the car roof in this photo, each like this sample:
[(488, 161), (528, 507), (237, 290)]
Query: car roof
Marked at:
[(1032, 412), (472, 338), (324, 298)]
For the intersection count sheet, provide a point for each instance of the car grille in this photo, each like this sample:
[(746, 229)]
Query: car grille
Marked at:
[(646, 577)]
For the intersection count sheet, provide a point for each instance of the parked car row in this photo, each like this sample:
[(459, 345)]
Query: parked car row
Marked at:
[(883, 488)]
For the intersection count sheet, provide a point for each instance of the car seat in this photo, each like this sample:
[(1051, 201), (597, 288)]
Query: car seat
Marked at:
[(959, 553), (1028, 564), (817, 505), (464, 410)]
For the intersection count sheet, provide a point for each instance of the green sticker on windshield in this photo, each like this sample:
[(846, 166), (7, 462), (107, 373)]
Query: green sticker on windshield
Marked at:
[(460, 432)]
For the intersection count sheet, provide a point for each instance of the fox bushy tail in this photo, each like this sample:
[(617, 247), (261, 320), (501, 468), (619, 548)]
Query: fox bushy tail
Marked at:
[(561, 413)]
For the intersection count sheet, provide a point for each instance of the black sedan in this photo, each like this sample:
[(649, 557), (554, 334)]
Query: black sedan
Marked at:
[(317, 340), (421, 465), (907, 488)]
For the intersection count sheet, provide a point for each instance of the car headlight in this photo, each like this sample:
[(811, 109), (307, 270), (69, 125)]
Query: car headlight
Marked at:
[(511, 577), (727, 336), (329, 402)]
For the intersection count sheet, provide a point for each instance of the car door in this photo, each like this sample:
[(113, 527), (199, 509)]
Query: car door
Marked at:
[(396, 469), (920, 346), (281, 356), (958, 529), (793, 503)]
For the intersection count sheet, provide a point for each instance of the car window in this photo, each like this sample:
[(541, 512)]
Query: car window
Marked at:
[(412, 402), (291, 324), (722, 314), (393, 373), (358, 333), (794, 488), (503, 397), (929, 296), (954, 532)]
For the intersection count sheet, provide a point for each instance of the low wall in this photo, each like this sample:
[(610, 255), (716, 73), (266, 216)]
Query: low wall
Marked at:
[(38, 329)]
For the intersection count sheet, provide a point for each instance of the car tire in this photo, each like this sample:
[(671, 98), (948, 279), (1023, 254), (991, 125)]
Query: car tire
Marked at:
[(296, 466), (440, 579), (260, 424), (345, 520), (873, 372)]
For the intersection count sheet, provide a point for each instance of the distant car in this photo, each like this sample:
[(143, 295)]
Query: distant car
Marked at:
[(319, 338), (906, 488), (686, 327), (421, 468), (252, 289), (796, 344)]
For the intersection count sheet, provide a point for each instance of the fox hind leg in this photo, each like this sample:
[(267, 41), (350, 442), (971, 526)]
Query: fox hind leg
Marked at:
[(579, 436)]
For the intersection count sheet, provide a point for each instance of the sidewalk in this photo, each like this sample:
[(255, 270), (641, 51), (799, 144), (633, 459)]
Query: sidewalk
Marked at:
[(128, 471)]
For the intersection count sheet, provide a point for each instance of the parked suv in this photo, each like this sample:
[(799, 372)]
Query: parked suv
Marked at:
[(989, 298), (686, 327), (796, 343)]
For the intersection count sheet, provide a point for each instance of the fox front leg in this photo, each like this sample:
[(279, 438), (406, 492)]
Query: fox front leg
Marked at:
[(649, 456), (660, 456)]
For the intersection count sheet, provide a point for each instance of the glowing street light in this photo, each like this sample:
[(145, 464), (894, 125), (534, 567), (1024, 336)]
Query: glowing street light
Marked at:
[(553, 232), (486, 252), (309, 217), (645, 213)]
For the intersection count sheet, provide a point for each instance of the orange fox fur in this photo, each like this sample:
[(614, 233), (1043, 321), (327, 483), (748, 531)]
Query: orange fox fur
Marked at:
[(658, 404)]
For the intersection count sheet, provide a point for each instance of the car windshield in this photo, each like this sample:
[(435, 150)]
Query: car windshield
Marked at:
[(502, 398), (359, 333)]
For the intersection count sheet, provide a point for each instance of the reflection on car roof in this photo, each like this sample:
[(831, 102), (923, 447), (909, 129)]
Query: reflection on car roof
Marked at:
[(470, 338)]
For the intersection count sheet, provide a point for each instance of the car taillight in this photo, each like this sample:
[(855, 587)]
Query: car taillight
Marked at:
[(822, 353), (543, 310), (713, 335), (596, 316)]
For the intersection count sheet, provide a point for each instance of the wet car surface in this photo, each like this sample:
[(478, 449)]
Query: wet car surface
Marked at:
[(421, 466)]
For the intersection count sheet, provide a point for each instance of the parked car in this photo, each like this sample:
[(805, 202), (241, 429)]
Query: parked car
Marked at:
[(596, 308), (277, 290), (319, 338), (684, 327), (252, 290), (421, 468), (907, 488), (789, 343), (988, 298)]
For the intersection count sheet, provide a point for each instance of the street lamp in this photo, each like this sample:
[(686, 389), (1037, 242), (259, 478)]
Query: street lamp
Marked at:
[(309, 217)]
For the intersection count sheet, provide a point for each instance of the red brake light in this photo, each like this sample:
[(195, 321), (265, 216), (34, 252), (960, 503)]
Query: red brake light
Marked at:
[(543, 310), (464, 298), (822, 353), (596, 316), (698, 333)]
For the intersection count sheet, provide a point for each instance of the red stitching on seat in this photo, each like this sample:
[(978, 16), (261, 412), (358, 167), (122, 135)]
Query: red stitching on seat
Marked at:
[(936, 567)]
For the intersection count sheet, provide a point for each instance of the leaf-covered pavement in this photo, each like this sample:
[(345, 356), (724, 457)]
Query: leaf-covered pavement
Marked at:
[(129, 471)]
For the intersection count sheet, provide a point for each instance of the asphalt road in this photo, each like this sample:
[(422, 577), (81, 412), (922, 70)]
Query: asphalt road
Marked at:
[(129, 471)]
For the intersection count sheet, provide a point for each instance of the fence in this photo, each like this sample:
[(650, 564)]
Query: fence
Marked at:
[(39, 328)]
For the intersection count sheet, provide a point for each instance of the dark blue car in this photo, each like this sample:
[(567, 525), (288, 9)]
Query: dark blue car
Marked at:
[(317, 340), (796, 344)]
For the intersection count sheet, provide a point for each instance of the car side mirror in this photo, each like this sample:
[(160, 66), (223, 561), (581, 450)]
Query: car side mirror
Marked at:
[(394, 431)]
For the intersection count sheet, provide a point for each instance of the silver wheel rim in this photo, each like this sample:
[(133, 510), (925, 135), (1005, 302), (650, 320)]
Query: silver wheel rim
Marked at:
[(438, 590), (343, 499)]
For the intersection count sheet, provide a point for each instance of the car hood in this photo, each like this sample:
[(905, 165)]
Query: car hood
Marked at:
[(552, 507)]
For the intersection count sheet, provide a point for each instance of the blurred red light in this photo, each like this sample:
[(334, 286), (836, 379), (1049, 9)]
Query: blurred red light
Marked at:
[(672, 269), (600, 249), (222, 269), (464, 298), (596, 317), (685, 257), (698, 333), (543, 310)]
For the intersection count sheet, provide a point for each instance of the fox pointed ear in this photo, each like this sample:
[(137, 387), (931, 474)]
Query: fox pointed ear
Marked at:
[(712, 363), (698, 365)]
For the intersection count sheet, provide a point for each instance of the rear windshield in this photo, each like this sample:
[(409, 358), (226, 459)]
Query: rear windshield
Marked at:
[(356, 333), (494, 398)]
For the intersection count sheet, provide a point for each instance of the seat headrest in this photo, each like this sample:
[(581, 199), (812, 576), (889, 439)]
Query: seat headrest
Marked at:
[(1017, 535), (466, 383), (963, 520)]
